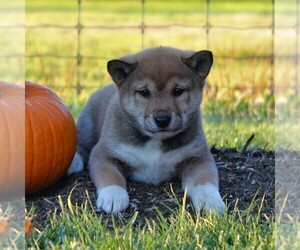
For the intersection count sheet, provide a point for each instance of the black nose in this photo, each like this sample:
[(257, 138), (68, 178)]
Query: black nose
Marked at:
[(162, 121)]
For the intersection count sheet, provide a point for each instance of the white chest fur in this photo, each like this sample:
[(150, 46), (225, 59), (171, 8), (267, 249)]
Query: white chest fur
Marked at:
[(149, 162)]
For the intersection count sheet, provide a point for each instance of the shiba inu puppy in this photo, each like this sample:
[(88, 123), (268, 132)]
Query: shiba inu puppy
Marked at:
[(147, 127)]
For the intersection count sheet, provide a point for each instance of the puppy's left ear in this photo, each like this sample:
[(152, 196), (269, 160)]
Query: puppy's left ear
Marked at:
[(120, 70), (200, 62)]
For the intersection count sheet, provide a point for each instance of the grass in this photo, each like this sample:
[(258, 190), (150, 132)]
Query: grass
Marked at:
[(234, 132), (287, 135), (287, 123), (288, 235), (79, 227), (12, 224)]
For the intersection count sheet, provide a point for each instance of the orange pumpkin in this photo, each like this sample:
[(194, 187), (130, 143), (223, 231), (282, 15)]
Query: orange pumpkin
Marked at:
[(12, 140), (50, 138)]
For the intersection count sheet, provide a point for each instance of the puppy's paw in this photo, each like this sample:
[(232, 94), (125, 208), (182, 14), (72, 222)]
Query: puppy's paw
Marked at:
[(207, 196), (76, 165), (112, 199)]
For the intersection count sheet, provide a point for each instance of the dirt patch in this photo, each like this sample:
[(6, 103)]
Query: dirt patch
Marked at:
[(242, 177)]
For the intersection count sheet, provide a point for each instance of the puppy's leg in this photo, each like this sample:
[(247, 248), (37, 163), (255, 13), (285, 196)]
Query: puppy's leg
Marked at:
[(200, 178), (110, 185), (86, 140), (76, 165)]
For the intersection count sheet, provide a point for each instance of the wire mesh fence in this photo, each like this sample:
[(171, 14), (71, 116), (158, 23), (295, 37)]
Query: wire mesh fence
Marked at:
[(233, 59)]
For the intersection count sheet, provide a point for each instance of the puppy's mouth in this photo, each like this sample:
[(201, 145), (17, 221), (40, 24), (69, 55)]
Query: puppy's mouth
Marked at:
[(162, 132), (162, 126)]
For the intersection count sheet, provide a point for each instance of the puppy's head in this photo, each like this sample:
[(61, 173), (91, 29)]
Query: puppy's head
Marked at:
[(161, 88)]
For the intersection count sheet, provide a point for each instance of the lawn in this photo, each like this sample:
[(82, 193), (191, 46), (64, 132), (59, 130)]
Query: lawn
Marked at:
[(238, 102), (75, 227)]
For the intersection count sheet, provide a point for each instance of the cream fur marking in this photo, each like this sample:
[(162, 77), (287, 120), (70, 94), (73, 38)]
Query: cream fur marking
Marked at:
[(149, 163), (206, 196), (112, 199)]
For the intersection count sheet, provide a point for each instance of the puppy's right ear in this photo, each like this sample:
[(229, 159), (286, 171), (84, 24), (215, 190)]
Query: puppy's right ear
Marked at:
[(200, 62), (120, 70)]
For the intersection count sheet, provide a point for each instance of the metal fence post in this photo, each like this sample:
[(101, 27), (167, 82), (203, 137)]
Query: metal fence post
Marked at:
[(207, 25), (142, 23), (296, 84), (272, 58), (78, 55)]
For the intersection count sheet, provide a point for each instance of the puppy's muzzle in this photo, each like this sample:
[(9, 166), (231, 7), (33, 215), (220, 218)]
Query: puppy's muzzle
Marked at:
[(162, 119)]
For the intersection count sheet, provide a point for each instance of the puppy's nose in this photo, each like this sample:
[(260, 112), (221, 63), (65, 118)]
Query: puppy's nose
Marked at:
[(162, 121)]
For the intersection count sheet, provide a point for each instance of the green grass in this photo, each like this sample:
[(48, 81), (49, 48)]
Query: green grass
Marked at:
[(288, 235), (287, 134), (13, 237), (234, 132), (287, 123), (79, 227)]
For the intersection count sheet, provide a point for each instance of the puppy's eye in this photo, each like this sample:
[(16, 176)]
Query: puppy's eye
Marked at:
[(144, 93), (178, 91)]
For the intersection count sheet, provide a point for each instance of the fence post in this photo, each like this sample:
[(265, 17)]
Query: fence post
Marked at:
[(207, 25), (78, 55), (142, 23), (296, 86), (271, 87)]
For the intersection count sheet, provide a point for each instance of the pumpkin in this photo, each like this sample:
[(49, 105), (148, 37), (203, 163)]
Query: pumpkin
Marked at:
[(50, 138), (12, 140)]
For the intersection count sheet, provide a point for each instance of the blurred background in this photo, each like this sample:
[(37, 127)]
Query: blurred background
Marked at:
[(68, 44)]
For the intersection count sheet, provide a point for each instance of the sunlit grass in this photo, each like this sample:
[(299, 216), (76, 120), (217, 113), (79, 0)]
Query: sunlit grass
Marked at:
[(114, 43), (11, 225), (80, 227), (234, 132), (287, 233), (287, 122), (287, 135)]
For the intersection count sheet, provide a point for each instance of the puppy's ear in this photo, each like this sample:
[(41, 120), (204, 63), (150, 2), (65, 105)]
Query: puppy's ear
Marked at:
[(120, 70), (200, 62)]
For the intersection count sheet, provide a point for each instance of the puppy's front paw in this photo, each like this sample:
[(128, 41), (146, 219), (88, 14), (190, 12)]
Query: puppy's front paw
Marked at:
[(207, 196), (76, 165), (112, 199)]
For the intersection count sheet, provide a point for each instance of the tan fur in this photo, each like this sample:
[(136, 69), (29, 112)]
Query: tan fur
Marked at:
[(201, 173), (110, 172), (150, 63)]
